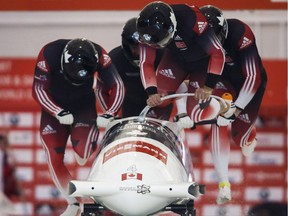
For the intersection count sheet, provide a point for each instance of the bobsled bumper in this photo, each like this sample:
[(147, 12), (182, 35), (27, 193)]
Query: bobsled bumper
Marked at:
[(143, 199), (190, 190)]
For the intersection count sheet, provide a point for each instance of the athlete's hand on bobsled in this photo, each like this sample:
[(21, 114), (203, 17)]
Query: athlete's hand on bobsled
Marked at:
[(228, 117), (154, 100), (203, 93), (104, 120), (184, 121), (65, 117)]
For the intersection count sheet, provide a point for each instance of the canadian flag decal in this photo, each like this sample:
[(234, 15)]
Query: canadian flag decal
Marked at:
[(131, 174), (127, 176)]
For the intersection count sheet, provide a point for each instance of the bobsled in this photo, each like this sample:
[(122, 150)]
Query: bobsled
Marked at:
[(143, 167)]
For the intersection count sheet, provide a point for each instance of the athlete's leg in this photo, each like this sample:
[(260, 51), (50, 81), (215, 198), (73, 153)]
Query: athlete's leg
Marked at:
[(54, 138), (243, 128), (220, 150), (84, 134), (218, 137)]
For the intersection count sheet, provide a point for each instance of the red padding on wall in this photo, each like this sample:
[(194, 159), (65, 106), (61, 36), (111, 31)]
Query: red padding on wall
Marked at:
[(132, 4), (275, 98)]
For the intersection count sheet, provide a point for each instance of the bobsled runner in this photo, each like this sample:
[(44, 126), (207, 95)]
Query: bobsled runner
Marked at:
[(143, 167)]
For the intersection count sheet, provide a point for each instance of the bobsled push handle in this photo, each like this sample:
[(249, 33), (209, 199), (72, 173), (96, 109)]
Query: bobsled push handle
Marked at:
[(144, 112)]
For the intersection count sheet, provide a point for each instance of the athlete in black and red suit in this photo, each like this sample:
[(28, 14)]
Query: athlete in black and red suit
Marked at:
[(191, 50), (67, 74), (245, 78), (126, 59)]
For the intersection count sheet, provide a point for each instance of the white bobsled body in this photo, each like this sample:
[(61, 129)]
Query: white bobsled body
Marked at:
[(141, 168)]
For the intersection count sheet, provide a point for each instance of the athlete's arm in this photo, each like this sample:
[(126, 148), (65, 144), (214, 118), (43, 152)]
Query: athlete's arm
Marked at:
[(111, 89), (207, 39), (41, 85), (251, 68), (147, 71)]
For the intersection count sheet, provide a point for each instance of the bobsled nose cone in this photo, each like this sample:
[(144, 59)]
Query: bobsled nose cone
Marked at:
[(71, 188)]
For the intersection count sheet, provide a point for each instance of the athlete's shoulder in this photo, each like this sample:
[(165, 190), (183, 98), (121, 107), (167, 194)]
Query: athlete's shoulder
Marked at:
[(57, 43), (184, 11), (52, 51), (115, 52), (190, 17), (117, 56), (184, 7), (240, 33), (99, 48)]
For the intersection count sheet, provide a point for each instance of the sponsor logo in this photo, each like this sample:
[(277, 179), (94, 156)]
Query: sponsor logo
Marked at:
[(48, 130), (264, 193), (246, 42), (181, 45), (245, 118), (201, 26), (229, 61), (136, 146), (21, 137), (271, 139), (220, 85), (136, 132), (41, 77), (194, 84), (222, 210), (168, 73), (128, 189), (264, 176), (178, 38), (152, 114), (42, 65), (143, 189), (80, 124), (235, 176), (107, 59), (266, 158)]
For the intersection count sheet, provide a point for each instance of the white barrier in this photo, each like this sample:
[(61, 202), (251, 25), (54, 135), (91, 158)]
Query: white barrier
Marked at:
[(22, 34)]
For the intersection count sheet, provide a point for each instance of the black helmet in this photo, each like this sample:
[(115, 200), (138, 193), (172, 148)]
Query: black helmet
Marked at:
[(156, 24), (216, 20), (79, 61), (130, 41)]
